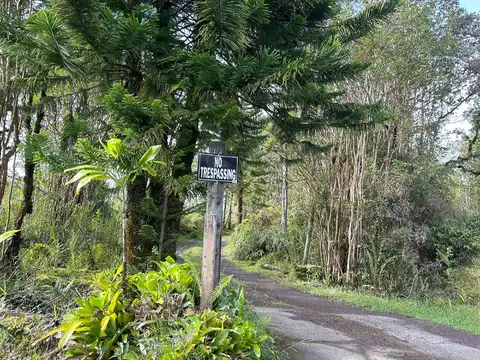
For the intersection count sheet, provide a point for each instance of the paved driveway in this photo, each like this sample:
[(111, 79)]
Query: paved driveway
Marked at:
[(315, 328)]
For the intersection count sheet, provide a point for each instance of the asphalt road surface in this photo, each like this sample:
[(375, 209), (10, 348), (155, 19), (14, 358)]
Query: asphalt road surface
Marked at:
[(311, 327), (314, 328)]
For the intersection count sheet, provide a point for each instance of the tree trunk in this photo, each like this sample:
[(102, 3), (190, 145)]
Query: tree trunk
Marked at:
[(28, 179), (187, 141), (9, 206), (9, 202), (163, 226), (284, 215), (229, 217), (225, 201), (174, 214), (308, 240), (240, 205), (7, 149), (124, 236), (3, 140), (135, 193), (136, 190)]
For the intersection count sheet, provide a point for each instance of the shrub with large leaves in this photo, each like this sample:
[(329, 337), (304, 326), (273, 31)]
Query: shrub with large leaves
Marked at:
[(155, 318), (99, 324)]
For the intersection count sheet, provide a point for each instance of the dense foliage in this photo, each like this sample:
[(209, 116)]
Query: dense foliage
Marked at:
[(389, 208), (341, 112), (155, 317)]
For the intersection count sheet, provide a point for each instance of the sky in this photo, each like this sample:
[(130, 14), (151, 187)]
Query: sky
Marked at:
[(456, 121), (470, 5)]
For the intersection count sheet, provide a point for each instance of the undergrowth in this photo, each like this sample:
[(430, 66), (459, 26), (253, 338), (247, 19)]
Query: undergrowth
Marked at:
[(155, 317)]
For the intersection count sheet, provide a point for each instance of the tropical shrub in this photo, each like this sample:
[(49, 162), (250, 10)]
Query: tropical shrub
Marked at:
[(208, 335), (312, 273), (466, 284), (454, 242), (258, 236), (154, 317)]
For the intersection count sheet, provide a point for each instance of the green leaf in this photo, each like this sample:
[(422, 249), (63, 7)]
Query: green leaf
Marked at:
[(148, 232), (257, 351), (114, 147), (7, 235), (241, 308), (50, 333), (118, 272), (80, 167), (113, 302), (87, 179), (148, 156), (221, 338), (83, 173), (103, 145), (129, 356), (104, 322), (77, 177), (150, 170), (69, 330)]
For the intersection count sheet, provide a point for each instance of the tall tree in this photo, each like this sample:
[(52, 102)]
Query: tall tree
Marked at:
[(190, 71)]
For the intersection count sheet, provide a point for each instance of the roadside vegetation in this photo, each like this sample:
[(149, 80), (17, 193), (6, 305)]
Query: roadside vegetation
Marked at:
[(153, 316), (441, 310), (385, 217)]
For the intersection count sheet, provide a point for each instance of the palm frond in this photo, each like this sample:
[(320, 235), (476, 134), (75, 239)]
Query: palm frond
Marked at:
[(41, 149), (90, 21), (257, 12), (88, 151), (52, 47), (132, 35)]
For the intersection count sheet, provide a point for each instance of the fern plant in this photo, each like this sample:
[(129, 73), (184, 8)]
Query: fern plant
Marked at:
[(222, 285)]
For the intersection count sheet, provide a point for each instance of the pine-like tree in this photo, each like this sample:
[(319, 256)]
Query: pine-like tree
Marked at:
[(188, 71)]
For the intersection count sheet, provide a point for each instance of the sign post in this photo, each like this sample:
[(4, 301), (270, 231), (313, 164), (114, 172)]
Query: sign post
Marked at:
[(216, 169)]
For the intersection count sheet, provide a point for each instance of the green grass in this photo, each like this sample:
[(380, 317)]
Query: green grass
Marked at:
[(186, 239), (194, 254), (441, 311)]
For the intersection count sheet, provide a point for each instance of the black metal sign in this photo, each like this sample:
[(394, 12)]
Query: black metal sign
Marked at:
[(221, 168)]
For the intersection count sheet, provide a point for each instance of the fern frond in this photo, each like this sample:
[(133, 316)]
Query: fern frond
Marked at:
[(218, 291)]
